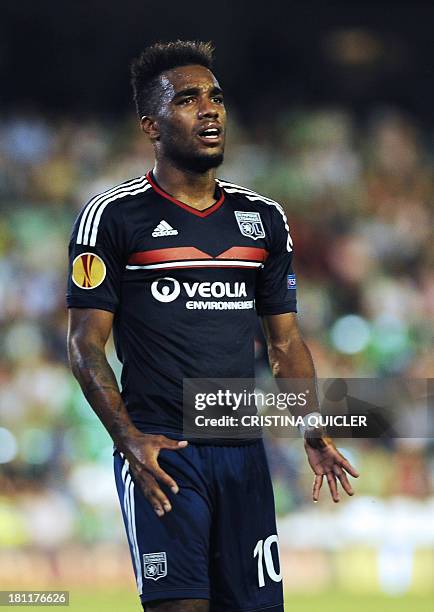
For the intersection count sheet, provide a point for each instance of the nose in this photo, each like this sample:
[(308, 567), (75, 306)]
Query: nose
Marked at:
[(207, 109)]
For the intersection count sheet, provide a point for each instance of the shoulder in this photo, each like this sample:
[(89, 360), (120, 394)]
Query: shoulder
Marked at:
[(248, 194), (130, 189), (253, 198), (106, 206)]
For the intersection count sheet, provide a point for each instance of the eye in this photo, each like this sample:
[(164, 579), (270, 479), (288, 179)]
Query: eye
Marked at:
[(218, 99), (185, 101)]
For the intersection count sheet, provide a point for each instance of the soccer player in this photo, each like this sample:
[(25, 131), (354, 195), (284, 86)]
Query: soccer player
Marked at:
[(180, 264)]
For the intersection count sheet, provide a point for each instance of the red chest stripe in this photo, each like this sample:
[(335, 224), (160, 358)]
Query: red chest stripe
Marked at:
[(246, 253), (191, 253)]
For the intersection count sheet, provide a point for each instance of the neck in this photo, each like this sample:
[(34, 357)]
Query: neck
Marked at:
[(193, 188)]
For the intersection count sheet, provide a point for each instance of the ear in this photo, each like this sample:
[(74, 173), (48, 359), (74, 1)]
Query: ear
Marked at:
[(149, 126)]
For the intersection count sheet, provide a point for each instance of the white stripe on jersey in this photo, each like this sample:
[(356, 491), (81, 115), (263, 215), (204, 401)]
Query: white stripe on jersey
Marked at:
[(92, 239), (98, 198), (252, 196), (200, 263), (89, 211), (232, 188)]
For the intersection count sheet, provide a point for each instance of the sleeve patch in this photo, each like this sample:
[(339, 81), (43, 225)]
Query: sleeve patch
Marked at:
[(292, 281), (88, 271)]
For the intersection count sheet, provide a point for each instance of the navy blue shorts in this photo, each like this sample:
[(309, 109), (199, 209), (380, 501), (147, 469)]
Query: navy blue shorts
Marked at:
[(219, 541)]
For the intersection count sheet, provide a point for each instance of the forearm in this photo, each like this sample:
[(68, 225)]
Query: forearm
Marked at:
[(292, 365), (291, 359), (97, 380)]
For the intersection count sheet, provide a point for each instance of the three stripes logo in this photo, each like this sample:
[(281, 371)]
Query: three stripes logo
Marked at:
[(164, 229), (88, 271)]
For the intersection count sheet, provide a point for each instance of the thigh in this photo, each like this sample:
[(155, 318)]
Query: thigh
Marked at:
[(245, 571), (169, 554)]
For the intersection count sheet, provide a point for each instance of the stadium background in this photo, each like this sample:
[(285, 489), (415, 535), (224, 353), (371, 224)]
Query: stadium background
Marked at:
[(331, 114)]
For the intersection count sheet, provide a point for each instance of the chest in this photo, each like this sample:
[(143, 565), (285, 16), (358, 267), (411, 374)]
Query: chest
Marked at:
[(165, 236)]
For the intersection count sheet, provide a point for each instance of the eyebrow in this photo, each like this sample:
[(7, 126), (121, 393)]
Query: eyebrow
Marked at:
[(191, 91)]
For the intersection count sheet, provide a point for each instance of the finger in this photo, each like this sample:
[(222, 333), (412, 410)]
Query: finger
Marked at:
[(155, 496), (170, 444), (348, 467), (317, 484), (343, 478), (156, 504), (159, 501), (333, 486), (163, 477)]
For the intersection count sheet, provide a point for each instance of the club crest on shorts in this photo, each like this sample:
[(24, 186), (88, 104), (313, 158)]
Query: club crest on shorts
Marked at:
[(155, 565), (250, 224), (88, 271)]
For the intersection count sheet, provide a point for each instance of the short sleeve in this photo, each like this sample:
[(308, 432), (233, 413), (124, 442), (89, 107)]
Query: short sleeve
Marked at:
[(96, 259), (276, 284)]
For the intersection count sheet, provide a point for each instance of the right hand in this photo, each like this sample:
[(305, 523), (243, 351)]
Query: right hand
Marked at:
[(142, 452), (325, 460)]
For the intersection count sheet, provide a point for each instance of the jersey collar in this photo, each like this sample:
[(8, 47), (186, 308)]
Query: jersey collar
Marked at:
[(187, 207)]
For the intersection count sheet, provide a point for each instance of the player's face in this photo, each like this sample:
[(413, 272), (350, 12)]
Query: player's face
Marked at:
[(192, 118)]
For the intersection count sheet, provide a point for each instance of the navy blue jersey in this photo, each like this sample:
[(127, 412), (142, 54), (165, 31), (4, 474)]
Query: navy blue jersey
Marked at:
[(185, 286)]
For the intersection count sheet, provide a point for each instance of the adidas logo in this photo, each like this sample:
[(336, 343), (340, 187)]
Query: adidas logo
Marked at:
[(164, 229)]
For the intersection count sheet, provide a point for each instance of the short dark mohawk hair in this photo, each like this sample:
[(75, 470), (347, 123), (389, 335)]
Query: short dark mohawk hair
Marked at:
[(154, 60)]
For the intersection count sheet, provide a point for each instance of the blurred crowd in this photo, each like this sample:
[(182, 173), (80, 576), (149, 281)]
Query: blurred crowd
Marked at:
[(359, 198)]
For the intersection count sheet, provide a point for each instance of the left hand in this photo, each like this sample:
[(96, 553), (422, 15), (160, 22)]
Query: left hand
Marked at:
[(325, 460)]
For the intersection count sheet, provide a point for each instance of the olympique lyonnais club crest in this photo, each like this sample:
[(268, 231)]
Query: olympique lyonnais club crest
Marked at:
[(250, 224), (88, 271), (155, 565)]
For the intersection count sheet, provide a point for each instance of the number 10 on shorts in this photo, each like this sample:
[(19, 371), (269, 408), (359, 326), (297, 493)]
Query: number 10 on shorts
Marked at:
[(263, 552)]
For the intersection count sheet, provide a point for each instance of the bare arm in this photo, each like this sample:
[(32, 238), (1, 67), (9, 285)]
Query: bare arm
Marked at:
[(88, 332), (290, 358)]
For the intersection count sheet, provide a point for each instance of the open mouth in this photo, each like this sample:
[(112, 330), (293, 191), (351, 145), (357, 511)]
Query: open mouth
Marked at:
[(210, 134)]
